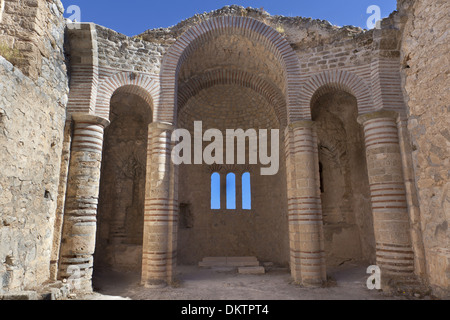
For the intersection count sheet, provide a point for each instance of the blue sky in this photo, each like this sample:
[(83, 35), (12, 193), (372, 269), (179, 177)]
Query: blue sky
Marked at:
[(133, 17)]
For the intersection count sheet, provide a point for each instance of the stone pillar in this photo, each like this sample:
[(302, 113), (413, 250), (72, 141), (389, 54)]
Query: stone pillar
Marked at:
[(304, 205), (394, 251), (80, 215), (161, 209)]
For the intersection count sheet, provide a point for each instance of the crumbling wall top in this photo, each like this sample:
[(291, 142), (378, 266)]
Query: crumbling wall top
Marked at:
[(287, 26)]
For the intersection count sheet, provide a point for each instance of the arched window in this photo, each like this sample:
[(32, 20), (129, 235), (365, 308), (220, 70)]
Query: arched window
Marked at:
[(215, 191), (231, 191), (246, 192)]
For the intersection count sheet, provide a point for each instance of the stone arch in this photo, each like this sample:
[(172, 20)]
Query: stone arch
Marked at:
[(193, 38), (322, 83), (239, 77), (141, 85)]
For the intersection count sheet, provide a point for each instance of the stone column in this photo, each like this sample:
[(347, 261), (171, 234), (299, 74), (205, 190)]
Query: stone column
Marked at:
[(80, 215), (394, 251), (304, 205), (161, 209)]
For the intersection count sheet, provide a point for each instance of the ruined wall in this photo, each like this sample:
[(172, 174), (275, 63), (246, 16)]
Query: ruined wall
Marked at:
[(425, 57), (119, 52), (33, 96), (335, 49)]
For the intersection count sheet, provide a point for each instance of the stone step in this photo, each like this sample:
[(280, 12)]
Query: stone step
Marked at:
[(252, 270), (229, 262), (22, 295)]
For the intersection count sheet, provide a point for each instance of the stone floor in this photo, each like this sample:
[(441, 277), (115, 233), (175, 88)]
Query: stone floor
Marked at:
[(347, 282)]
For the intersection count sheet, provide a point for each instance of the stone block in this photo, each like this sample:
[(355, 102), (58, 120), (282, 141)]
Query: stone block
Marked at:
[(23, 295)]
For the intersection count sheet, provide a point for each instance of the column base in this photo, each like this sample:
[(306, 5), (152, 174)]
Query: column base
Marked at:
[(313, 283), (154, 284)]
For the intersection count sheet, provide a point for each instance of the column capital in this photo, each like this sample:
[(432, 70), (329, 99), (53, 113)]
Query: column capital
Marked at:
[(90, 118), (377, 115), (163, 126), (301, 124)]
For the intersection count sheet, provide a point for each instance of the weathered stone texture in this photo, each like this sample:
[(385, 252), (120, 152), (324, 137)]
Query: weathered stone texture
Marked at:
[(352, 51), (425, 57), (119, 52), (36, 29), (31, 136)]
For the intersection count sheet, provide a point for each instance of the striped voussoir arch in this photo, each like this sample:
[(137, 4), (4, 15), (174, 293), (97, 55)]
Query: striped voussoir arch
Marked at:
[(198, 34), (320, 84), (145, 86), (238, 77)]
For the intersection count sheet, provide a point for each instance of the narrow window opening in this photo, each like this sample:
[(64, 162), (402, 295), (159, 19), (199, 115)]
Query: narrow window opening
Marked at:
[(231, 191), (215, 191), (246, 192)]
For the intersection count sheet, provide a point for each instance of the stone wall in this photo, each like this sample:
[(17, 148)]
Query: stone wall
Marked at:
[(352, 50), (261, 231), (119, 52), (425, 72), (35, 29), (33, 97)]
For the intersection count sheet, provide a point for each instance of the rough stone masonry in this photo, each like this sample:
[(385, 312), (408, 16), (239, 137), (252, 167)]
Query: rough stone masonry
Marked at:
[(86, 121)]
